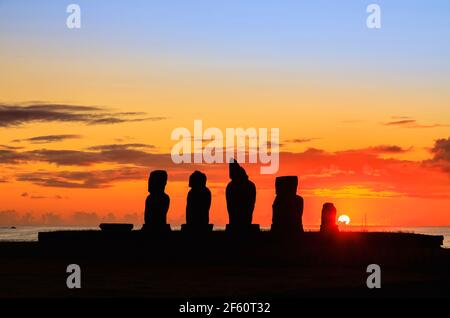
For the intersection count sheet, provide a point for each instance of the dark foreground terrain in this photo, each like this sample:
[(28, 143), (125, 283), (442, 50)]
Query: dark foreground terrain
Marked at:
[(258, 266)]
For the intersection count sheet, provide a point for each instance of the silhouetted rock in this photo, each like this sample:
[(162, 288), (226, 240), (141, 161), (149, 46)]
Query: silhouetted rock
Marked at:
[(287, 207), (198, 204), (157, 203), (241, 197), (328, 224)]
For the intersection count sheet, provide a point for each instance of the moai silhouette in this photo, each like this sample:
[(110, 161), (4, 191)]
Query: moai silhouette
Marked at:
[(241, 197), (287, 207), (198, 204), (328, 224), (157, 202)]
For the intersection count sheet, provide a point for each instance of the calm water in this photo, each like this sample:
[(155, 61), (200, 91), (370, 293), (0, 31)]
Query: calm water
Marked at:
[(30, 233)]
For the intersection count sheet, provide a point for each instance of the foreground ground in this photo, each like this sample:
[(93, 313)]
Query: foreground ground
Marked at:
[(37, 271)]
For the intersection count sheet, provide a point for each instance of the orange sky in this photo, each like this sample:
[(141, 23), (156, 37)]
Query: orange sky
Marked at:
[(365, 125), (354, 168)]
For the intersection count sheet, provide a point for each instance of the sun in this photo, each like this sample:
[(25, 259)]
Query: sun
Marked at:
[(345, 219)]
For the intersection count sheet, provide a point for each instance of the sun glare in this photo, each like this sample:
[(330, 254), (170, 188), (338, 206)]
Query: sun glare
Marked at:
[(344, 219)]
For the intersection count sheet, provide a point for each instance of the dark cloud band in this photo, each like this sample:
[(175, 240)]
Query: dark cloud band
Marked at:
[(16, 115)]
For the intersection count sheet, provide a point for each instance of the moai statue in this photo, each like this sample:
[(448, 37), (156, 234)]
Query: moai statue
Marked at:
[(287, 207), (241, 197), (198, 204), (157, 202), (328, 224)]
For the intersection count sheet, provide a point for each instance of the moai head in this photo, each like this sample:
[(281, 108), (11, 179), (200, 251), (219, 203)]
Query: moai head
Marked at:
[(236, 172), (197, 180), (157, 181), (286, 185)]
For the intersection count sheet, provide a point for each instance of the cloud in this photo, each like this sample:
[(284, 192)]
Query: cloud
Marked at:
[(83, 179), (12, 115), (12, 156), (14, 218), (113, 147), (353, 192), (115, 153), (133, 218), (109, 218), (300, 140), (411, 123), (400, 117), (64, 157), (441, 154), (376, 150), (85, 218), (6, 147), (8, 217), (123, 155), (37, 197), (51, 219), (368, 169), (27, 219), (124, 138), (316, 168), (48, 139), (79, 218), (441, 149), (388, 149), (402, 122)]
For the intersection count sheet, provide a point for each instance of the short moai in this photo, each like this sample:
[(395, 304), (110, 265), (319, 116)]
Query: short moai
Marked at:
[(287, 207), (157, 202), (198, 204), (328, 224)]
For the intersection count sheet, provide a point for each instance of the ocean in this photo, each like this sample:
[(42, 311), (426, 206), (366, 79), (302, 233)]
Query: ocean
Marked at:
[(30, 233)]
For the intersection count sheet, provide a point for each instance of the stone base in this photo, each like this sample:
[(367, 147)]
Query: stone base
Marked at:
[(286, 230), (116, 227), (251, 228), (329, 229), (159, 228), (188, 228)]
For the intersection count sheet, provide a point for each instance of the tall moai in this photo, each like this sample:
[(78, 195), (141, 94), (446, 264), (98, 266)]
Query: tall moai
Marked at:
[(241, 198)]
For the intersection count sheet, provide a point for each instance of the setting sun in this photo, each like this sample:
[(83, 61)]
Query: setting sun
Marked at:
[(345, 219)]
